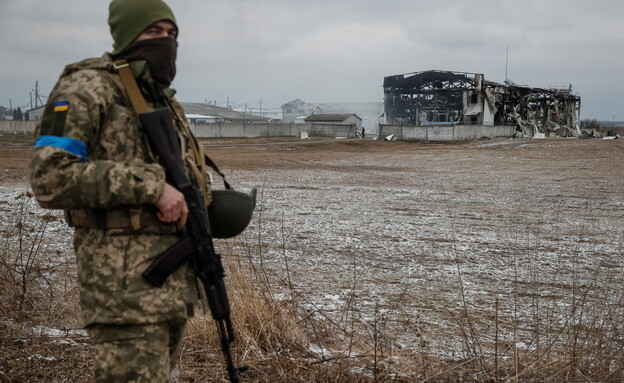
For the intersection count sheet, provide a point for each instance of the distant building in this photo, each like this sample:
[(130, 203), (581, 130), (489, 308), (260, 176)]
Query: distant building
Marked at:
[(335, 119), (371, 113), (202, 118), (195, 113), (35, 114), (297, 110), (212, 113)]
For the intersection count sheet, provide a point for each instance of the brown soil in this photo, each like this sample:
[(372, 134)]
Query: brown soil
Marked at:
[(585, 158)]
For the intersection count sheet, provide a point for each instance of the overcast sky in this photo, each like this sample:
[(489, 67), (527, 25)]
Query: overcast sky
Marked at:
[(335, 50)]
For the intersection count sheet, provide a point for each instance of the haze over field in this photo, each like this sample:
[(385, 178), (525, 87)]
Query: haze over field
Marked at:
[(328, 51)]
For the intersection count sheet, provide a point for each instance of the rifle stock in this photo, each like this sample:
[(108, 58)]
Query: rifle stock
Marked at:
[(169, 261), (197, 242)]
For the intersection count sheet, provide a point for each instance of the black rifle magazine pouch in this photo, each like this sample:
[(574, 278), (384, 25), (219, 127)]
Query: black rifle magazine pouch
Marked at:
[(230, 212)]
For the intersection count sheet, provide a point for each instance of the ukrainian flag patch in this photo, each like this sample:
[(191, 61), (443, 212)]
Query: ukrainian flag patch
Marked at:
[(61, 106)]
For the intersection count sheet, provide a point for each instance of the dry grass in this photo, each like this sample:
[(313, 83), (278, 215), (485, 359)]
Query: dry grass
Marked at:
[(38, 304), (275, 337)]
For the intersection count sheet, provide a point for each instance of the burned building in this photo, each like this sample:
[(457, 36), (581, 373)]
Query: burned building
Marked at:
[(443, 97)]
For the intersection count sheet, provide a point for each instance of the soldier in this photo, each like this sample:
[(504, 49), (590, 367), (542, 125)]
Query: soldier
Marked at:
[(92, 159)]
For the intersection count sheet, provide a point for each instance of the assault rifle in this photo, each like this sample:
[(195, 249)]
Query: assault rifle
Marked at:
[(196, 244)]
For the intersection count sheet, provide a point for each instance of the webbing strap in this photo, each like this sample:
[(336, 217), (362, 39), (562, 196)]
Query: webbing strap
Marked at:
[(132, 89), (211, 163)]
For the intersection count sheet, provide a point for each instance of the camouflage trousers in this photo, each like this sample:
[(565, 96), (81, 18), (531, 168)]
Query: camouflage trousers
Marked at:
[(136, 353)]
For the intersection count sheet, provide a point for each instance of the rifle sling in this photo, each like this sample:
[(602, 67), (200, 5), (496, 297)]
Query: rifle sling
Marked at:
[(131, 87), (211, 163)]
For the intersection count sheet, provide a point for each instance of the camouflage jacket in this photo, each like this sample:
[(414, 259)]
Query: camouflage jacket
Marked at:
[(91, 156)]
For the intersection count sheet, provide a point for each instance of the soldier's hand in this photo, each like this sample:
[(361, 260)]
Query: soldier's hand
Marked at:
[(172, 206)]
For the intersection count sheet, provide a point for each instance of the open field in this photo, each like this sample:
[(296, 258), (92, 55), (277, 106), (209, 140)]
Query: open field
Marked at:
[(492, 260)]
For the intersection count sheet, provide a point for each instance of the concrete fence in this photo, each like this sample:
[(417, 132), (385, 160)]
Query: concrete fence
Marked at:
[(230, 129), (260, 129), (17, 127), (227, 129), (445, 132)]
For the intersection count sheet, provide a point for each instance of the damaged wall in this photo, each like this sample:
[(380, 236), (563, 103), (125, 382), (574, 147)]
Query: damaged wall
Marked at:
[(443, 97), (449, 132)]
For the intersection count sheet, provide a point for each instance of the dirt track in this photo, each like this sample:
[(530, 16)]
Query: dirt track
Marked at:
[(417, 233)]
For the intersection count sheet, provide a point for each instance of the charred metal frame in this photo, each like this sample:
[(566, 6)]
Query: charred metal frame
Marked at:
[(445, 97)]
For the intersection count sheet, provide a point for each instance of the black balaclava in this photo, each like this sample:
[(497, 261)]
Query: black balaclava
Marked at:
[(160, 55)]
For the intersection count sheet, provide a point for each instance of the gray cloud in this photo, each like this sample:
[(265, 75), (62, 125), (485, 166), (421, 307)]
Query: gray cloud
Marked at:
[(321, 51)]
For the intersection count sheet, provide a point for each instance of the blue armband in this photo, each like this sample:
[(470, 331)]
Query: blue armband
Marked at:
[(73, 146)]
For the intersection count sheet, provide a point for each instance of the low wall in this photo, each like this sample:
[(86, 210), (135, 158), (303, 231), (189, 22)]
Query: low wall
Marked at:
[(226, 129), (259, 129), (475, 132), (445, 133), (236, 129), (17, 127)]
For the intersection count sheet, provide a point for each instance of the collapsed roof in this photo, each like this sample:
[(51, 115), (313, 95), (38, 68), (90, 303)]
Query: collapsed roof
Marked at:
[(437, 97)]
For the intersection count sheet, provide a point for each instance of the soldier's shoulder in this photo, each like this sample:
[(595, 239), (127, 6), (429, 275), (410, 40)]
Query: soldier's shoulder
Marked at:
[(92, 79), (92, 75), (90, 67)]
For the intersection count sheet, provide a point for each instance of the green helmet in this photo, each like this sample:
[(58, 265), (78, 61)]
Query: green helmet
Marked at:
[(230, 212)]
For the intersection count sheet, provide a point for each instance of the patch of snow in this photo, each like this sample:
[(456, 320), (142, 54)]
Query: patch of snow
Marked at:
[(41, 357)]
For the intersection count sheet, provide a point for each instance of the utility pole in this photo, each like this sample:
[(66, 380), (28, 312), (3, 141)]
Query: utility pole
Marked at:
[(506, 61), (38, 95), (244, 118), (505, 94)]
